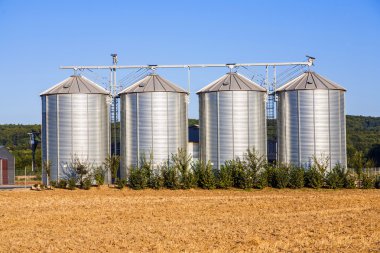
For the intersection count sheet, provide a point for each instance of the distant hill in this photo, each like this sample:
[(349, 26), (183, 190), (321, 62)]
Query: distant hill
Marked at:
[(363, 134)]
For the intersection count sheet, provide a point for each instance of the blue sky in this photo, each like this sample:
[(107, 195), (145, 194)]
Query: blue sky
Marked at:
[(36, 37)]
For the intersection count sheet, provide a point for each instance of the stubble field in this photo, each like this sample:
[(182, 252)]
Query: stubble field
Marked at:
[(111, 220)]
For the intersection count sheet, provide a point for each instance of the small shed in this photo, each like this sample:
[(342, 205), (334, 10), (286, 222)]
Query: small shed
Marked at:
[(7, 167)]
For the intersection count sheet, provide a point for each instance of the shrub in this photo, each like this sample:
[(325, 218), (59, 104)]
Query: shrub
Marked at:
[(315, 175), (53, 184), (181, 162), (82, 169), (350, 179), (296, 177), (254, 163), (156, 181), (71, 183), (314, 178), (335, 178), (368, 181), (62, 184), (241, 175), (262, 179), (87, 183), (377, 183), (223, 177), (270, 173), (170, 176), (111, 164), (138, 178), (357, 162), (120, 183), (99, 175), (281, 177), (204, 175)]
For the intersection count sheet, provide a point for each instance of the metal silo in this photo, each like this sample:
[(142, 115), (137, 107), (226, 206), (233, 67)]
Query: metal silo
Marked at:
[(232, 119), (75, 123), (153, 121), (311, 121)]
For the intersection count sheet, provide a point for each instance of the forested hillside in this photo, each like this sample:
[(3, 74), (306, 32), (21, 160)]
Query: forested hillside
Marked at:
[(16, 139), (363, 134)]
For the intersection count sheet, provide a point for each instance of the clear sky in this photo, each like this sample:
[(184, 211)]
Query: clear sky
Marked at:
[(36, 37)]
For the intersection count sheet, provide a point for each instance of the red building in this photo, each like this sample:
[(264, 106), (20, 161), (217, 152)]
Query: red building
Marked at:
[(7, 167)]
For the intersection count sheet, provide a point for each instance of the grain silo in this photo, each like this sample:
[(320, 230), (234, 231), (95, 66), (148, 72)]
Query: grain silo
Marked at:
[(311, 121), (75, 124), (153, 121), (232, 119)]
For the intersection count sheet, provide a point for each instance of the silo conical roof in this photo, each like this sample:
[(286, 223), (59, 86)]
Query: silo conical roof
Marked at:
[(232, 82), (310, 81), (76, 84), (153, 83)]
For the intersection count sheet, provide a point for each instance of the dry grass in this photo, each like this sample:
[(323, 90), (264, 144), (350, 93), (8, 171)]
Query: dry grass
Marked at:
[(196, 220)]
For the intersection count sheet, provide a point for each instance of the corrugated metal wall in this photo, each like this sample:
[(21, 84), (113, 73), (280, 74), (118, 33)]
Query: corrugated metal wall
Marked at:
[(311, 122), (152, 122), (230, 123), (75, 125)]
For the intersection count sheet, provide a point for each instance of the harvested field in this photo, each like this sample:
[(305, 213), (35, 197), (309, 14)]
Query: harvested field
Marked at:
[(111, 220)]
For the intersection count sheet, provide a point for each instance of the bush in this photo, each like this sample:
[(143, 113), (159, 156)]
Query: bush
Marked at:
[(262, 179), (314, 178), (335, 178), (111, 164), (53, 184), (368, 181), (138, 178), (204, 175), (99, 175), (377, 183), (181, 161), (223, 177), (170, 176), (62, 184), (281, 177), (156, 181), (87, 183), (296, 177), (79, 169), (255, 164), (315, 175), (120, 183), (71, 183), (270, 173), (350, 180), (243, 177)]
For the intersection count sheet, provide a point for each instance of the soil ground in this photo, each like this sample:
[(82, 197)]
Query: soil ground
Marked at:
[(110, 220)]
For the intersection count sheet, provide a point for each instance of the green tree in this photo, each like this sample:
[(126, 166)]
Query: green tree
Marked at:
[(111, 164), (181, 162), (296, 177), (204, 174), (81, 170)]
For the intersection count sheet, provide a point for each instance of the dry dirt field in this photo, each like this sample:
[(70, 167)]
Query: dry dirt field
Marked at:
[(111, 220)]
